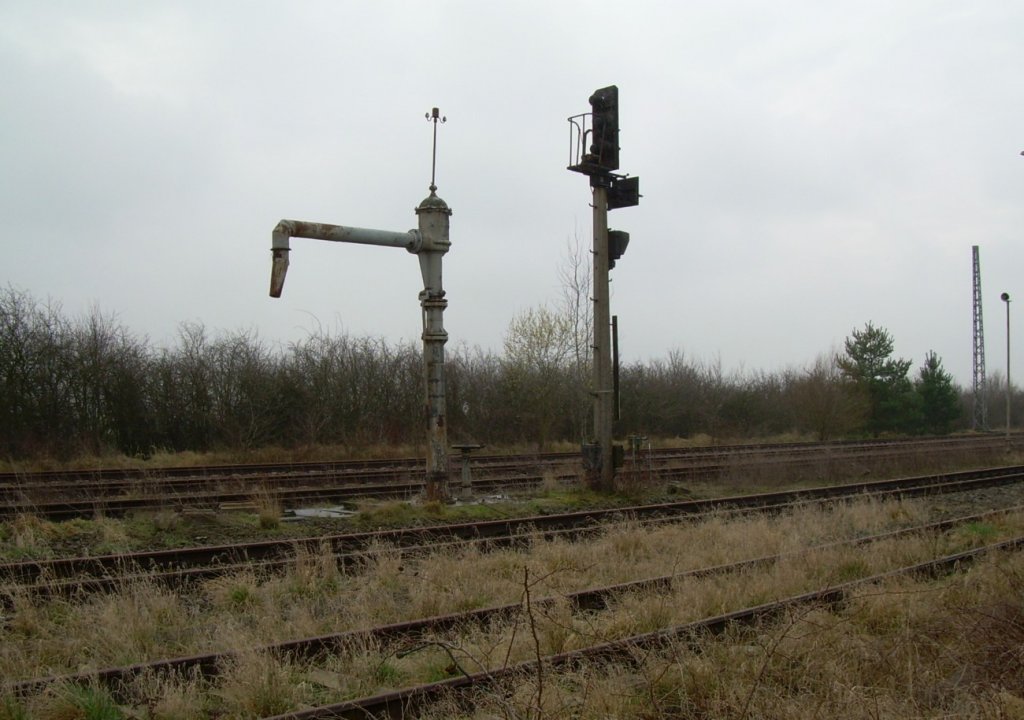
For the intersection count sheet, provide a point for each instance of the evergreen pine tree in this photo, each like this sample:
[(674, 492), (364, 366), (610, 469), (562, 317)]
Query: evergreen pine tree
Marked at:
[(880, 379), (939, 397)]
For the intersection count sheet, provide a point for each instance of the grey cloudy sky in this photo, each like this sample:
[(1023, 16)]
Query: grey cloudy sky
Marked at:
[(806, 166)]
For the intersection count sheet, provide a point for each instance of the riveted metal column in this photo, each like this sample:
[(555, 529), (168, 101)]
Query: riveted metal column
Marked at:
[(434, 216)]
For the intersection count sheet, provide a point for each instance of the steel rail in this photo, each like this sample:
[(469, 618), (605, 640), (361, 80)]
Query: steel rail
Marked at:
[(591, 599), (73, 480), (66, 509), (80, 575), (408, 702), (392, 483)]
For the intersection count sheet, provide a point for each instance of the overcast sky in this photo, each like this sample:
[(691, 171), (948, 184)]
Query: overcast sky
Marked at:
[(806, 166)]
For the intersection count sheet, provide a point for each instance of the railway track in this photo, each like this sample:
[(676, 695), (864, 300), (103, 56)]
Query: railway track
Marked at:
[(105, 573), (408, 702), (589, 600), (76, 576), (70, 494), (71, 478)]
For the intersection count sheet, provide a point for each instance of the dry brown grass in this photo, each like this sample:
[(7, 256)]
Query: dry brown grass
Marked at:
[(187, 458), (256, 685), (268, 508), (904, 649), (247, 609), (29, 536)]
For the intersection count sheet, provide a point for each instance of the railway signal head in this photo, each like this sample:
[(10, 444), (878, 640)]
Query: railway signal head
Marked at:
[(623, 192), (604, 132), (617, 242)]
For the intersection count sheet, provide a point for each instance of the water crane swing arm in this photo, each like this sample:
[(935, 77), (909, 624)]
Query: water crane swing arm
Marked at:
[(287, 229), (429, 242)]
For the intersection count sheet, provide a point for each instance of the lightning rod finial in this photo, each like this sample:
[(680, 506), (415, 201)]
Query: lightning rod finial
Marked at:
[(434, 116)]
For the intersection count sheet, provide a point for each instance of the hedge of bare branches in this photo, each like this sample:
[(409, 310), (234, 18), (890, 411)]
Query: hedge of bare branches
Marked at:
[(90, 386)]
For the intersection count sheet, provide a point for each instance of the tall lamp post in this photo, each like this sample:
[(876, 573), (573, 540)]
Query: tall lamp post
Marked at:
[(1005, 297)]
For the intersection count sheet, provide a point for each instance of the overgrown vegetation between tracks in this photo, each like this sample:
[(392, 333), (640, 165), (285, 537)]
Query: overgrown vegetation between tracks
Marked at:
[(27, 536), (247, 610), (906, 648)]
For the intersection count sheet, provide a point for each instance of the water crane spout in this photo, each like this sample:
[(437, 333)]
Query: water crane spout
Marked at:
[(277, 272), (280, 249)]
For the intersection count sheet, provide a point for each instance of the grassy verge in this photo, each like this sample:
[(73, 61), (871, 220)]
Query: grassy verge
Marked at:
[(315, 597), (904, 649), (28, 536)]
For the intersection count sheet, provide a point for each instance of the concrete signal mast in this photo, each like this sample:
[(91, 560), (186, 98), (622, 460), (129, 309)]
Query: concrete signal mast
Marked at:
[(594, 151), (429, 242)]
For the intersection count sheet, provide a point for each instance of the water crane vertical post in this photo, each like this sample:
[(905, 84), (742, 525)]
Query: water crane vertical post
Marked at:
[(433, 215), (429, 242)]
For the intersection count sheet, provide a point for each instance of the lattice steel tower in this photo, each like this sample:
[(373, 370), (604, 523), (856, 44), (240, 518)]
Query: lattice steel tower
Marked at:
[(980, 406)]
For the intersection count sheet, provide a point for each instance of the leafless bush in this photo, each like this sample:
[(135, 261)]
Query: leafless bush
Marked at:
[(88, 386)]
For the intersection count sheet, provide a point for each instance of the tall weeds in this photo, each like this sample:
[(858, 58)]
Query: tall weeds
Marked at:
[(316, 597)]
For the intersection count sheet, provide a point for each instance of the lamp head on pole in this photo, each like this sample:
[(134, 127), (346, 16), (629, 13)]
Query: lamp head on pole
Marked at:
[(1005, 297)]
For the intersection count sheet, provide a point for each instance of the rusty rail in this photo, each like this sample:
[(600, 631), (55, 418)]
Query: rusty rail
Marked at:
[(71, 576), (592, 599), (70, 494), (409, 701)]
